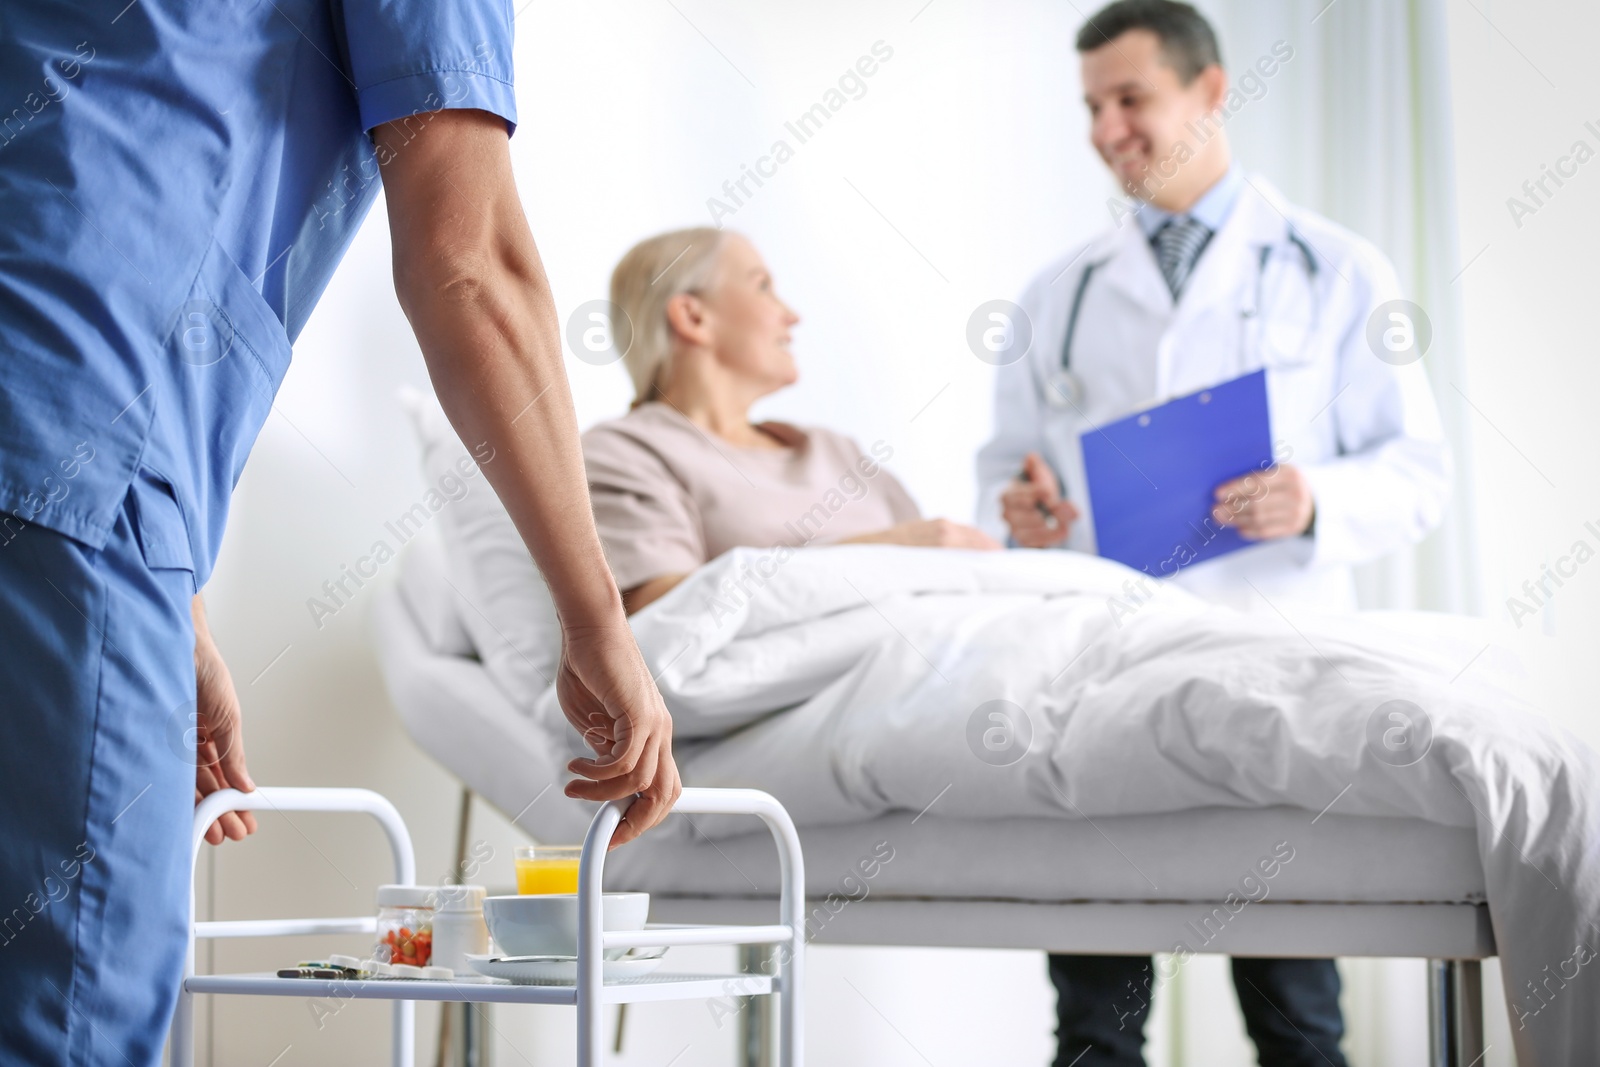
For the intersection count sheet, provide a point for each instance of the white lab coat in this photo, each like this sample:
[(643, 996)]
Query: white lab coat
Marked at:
[(1366, 433)]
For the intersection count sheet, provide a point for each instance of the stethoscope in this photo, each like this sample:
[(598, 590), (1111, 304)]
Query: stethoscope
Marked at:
[(1065, 387)]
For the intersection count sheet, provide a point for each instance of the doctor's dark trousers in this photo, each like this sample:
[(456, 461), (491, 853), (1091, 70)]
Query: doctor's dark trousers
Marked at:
[(1291, 1010), (96, 795)]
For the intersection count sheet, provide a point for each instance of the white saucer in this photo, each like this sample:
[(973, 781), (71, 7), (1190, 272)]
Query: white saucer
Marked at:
[(556, 970)]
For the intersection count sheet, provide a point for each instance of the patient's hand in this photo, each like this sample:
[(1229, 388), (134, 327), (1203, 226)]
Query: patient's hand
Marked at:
[(929, 533), (1032, 506), (607, 693)]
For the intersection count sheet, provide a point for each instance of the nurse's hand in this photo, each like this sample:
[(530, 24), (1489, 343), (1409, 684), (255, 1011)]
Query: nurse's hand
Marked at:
[(928, 533), (219, 752), (607, 694), (1274, 503), (1032, 506)]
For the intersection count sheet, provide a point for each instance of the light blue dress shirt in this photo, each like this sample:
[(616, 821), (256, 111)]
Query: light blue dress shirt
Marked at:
[(178, 180), (1213, 207)]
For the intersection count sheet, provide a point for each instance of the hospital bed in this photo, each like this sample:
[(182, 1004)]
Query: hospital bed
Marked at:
[(1357, 886)]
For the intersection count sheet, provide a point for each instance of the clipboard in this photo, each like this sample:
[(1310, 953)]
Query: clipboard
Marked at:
[(1152, 477)]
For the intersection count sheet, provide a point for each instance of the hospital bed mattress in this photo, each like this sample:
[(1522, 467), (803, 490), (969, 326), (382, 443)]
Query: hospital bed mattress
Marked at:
[(456, 713), (1339, 859)]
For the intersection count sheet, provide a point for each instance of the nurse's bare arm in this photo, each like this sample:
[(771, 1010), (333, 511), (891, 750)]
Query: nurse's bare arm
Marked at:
[(471, 283)]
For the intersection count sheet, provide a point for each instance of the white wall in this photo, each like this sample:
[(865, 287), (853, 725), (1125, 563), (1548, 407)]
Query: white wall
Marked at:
[(1525, 85), (1531, 328), (962, 169)]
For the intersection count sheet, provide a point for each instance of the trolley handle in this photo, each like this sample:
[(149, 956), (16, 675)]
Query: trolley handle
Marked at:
[(292, 798), (791, 907)]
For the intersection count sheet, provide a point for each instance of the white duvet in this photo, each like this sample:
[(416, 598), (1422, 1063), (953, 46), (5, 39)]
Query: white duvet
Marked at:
[(853, 681)]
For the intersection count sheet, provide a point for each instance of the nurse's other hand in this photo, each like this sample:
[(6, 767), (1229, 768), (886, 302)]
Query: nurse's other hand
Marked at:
[(1032, 506), (219, 750), (606, 692), (930, 533), (1275, 503)]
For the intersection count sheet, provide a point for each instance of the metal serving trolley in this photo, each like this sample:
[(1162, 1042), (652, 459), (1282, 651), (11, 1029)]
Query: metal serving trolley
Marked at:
[(587, 995)]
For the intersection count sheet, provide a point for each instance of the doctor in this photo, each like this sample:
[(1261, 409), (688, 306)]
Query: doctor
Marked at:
[(1207, 273), (178, 181)]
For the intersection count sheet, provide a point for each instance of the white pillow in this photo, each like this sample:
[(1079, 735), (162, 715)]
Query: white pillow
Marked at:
[(507, 611), (429, 591)]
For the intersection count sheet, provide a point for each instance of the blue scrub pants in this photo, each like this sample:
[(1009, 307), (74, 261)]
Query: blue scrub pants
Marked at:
[(96, 795)]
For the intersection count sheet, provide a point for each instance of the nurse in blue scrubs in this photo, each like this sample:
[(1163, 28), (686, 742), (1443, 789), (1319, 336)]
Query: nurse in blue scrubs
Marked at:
[(178, 181)]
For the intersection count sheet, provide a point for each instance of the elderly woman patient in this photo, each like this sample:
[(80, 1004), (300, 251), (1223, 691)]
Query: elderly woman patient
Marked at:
[(686, 475)]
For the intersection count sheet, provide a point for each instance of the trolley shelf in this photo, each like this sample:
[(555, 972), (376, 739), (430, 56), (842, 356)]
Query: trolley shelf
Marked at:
[(650, 987), (355, 924), (668, 935), (587, 993)]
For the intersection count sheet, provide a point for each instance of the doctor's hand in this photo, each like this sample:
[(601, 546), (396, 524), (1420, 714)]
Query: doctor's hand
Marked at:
[(1275, 503), (1032, 506), (219, 748), (607, 694)]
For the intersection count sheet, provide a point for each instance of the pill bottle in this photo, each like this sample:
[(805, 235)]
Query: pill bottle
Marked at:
[(405, 924), (458, 927)]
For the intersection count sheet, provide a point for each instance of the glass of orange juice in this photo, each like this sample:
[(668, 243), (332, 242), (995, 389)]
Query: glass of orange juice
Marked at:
[(547, 868)]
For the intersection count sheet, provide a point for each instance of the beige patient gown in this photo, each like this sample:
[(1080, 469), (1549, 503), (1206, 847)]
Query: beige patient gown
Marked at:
[(668, 496)]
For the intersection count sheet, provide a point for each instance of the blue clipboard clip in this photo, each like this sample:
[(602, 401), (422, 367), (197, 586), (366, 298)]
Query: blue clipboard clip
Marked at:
[(1153, 476)]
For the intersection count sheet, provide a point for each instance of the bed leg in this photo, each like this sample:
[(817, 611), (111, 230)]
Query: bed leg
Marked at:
[(1455, 1013), (457, 1047), (758, 1021), (469, 1035)]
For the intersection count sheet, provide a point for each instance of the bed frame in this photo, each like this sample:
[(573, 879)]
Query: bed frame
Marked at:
[(1453, 937)]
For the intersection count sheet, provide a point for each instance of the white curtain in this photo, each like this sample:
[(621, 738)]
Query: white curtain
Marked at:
[(1357, 126)]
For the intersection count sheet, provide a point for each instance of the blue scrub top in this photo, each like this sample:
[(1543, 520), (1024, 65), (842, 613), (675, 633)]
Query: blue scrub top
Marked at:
[(178, 181)]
